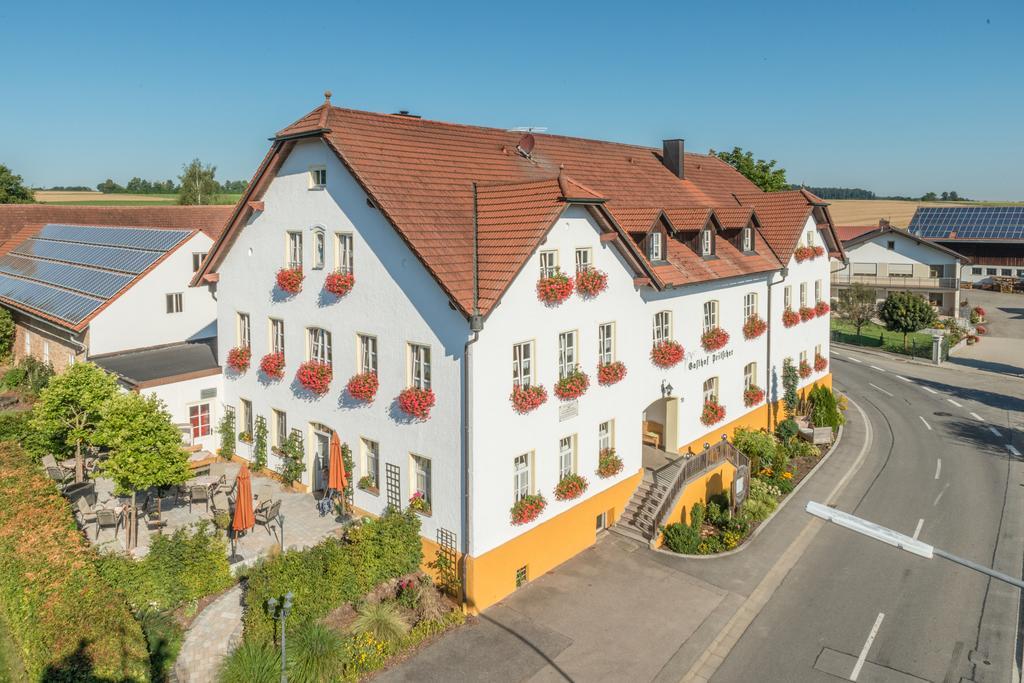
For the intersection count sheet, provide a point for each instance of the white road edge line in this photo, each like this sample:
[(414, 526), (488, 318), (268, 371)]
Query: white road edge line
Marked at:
[(880, 389), (867, 646), (977, 417), (855, 360), (1013, 450), (938, 467), (903, 378), (917, 531), (930, 390), (995, 431), (954, 403), (875, 367), (926, 423), (939, 497)]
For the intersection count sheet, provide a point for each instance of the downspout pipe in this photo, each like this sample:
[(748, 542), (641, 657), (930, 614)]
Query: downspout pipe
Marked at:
[(771, 325), (476, 324)]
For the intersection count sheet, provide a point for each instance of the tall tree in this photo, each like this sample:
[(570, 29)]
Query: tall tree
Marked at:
[(760, 172), (145, 448), (12, 189), (929, 197), (68, 409), (905, 313), (857, 305), (198, 185)]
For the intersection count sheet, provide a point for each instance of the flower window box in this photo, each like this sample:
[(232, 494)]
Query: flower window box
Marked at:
[(610, 373), (363, 386), (819, 251), (272, 365), (806, 313), (239, 358), (714, 339), (591, 282), (528, 399), (315, 376), (754, 327), (573, 385), (289, 280), (245, 437), (339, 284), (417, 402), (608, 463), (667, 353), (790, 318), (570, 487), (712, 413), (821, 308), (805, 369), (527, 509), (366, 483), (753, 395), (820, 363), (419, 503), (554, 289), (803, 254)]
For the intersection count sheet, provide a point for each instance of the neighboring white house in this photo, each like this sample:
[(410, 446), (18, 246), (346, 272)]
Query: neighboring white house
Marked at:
[(893, 260), (110, 285), (447, 230)]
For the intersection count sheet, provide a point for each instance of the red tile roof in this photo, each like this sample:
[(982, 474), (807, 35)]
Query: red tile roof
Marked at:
[(848, 232), (783, 216)]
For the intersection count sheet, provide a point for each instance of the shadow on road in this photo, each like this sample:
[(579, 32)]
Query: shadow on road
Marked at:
[(978, 435), (992, 399), (989, 365), (525, 641)]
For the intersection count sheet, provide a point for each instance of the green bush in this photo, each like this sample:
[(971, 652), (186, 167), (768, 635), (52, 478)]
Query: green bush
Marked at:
[(710, 546), (787, 429), (68, 623), (334, 571), (28, 377), (382, 620), (825, 408), (758, 510), (14, 425), (756, 444), (6, 333), (316, 654), (252, 662), (163, 638)]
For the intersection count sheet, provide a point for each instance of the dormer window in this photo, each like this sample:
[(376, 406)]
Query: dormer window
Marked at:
[(748, 239), (654, 246), (705, 242)]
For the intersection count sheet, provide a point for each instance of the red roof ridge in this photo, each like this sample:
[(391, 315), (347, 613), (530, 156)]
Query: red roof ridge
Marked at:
[(572, 189)]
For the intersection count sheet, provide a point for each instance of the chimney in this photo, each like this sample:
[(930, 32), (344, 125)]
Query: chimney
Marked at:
[(883, 223), (672, 156)]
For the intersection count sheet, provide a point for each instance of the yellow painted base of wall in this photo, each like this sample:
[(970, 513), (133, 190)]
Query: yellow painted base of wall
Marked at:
[(492, 576)]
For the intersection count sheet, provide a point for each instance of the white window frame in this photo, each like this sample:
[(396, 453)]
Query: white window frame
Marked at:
[(584, 259), (276, 329), (662, 327), (710, 314), (810, 237), (522, 364), (655, 251), (748, 239), (421, 476), (749, 305), (817, 350), (197, 260), (705, 242), (566, 456), (749, 375), (419, 366), (366, 347), (175, 302), (803, 294), (522, 476), (344, 257), (370, 459), (817, 291), (280, 419), (803, 357), (567, 353), (243, 330), (245, 414), (319, 257), (293, 248), (787, 297), (606, 343), (317, 177), (548, 262), (606, 435), (319, 345), (710, 389)]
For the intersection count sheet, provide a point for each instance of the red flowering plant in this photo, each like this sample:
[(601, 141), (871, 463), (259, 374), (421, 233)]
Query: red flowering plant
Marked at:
[(713, 413), (805, 369), (554, 289), (610, 373), (290, 280), (363, 386), (417, 402), (754, 327), (980, 329), (803, 253), (239, 357), (573, 385), (608, 463), (272, 365), (819, 251), (339, 283), (753, 395), (667, 353), (821, 308), (806, 313), (528, 508), (419, 503), (978, 311), (570, 486), (714, 339), (315, 376), (527, 399), (590, 282), (820, 363), (790, 318)]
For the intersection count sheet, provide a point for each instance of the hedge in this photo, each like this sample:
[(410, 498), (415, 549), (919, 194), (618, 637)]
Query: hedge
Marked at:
[(333, 572), (67, 622)]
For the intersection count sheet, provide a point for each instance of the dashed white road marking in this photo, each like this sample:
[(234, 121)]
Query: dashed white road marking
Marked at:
[(995, 431), (938, 467), (930, 390), (1013, 450), (954, 403), (904, 378), (867, 646), (875, 367), (939, 497), (880, 389), (917, 531), (977, 417), (926, 423), (855, 360)]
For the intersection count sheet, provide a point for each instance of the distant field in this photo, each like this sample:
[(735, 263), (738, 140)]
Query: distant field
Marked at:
[(118, 199), (897, 212)]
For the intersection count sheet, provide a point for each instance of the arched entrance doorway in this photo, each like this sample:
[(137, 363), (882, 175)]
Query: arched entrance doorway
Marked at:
[(660, 432)]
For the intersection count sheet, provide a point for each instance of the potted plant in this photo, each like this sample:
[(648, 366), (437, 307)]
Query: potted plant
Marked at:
[(245, 437), (339, 283), (667, 353), (315, 376), (819, 251), (608, 463), (528, 508), (555, 288), (806, 313), (367, 484), (590, 282), (419, 503), (610, 373), (790, 318), (289, 280), (363, 386), (570, 486), (980, 329), (805, 369), (821, 308), (820, 363), (573, 385), (528, 399), (714, 339), (239, 357), (417, 402), (272, 365), (712, 413), (753, 395), (803, 254), (754, 327), (979, 311)]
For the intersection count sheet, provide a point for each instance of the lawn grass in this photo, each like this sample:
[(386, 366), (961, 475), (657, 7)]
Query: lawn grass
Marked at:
[(877, 336), (11, 669)]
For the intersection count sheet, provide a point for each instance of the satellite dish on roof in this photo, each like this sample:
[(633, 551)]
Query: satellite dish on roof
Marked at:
[(525, 145)]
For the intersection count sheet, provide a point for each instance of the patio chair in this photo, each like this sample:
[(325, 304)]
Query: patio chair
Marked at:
[(61, 476), (198, 493), (267, 512), (105, 517), (154, 521), (220, 502), (220, 485), (84, 511)]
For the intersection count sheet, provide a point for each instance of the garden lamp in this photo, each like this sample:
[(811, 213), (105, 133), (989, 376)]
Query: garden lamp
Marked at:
[(280, 524)]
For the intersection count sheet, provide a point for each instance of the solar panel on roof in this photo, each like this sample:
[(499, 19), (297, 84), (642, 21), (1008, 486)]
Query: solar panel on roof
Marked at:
[(111, 258), (971, 222), (99, 283), (59, 303), (136, 238)]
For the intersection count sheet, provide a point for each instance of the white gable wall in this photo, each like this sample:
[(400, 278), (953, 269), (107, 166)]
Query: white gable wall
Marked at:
[(907, 251)]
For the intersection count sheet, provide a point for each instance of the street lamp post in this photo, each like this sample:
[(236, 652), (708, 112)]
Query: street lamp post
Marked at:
[(286, 608), (280, 525)]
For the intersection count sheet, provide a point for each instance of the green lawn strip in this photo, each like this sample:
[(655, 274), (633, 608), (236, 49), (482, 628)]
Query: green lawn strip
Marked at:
[(869, 335), (11, 668)]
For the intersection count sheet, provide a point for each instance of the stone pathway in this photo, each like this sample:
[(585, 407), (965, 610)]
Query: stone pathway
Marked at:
[(214, 633)]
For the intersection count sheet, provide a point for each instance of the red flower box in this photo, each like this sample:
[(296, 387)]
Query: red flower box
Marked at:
[(555, 289), (821, 308), (819, 251), (573, 385), (272, 365), (363, 386), (713, 413), (754, 327), (790, 318), (714, 339), (820, 363), (527, 399), (571, 486), (528, 508), (805, 369), (980, 329), (753, 395), (608, 463), (315, 376), (806, 313), (979, 311), (803, 254), (417, 402), (290, 280), (591, 282), (239, 357), (667, 353), (339, 284), (610, 373)]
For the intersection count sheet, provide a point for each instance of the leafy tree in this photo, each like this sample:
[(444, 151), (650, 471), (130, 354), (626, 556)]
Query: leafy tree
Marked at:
[(945, 196), (760, 172), (857, 305), (905, 313), (145, 448), (69, 409), (929, 197), (108, 186), (953, 196), (6, 333), (12, 189), (198, 185)]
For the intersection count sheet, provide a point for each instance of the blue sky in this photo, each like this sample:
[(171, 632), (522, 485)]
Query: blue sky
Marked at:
[(897, 97)]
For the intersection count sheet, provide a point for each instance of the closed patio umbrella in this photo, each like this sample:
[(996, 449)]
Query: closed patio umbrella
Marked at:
[(244, 518), (337, 477)]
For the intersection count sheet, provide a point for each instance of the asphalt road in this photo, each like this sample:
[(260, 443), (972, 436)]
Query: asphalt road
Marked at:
[(944, 464)]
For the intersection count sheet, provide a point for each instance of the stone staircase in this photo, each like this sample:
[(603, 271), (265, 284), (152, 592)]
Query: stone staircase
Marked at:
[(638, 520)]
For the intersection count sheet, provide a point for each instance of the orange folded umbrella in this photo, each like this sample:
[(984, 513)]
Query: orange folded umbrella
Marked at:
[(337, 478), (244, 518)]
